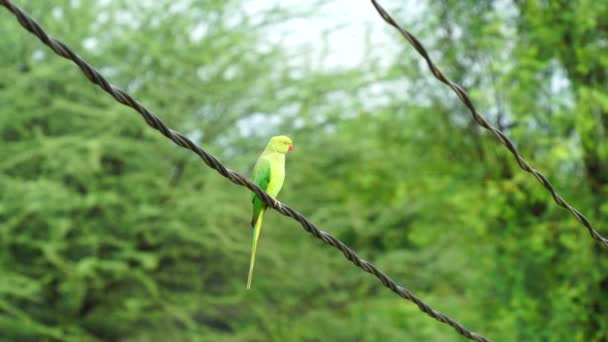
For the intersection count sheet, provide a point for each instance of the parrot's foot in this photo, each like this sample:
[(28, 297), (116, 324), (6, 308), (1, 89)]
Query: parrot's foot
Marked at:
[(277, 204)]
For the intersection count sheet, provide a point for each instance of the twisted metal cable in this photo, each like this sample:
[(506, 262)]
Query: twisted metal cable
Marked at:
[(481, 121), (181, 140)]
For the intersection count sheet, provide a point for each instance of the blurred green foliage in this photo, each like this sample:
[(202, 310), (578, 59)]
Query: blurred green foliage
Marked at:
[(110, 232)]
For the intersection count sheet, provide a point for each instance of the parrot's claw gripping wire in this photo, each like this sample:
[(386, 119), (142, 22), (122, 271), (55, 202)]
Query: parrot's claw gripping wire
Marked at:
[(277, 204)]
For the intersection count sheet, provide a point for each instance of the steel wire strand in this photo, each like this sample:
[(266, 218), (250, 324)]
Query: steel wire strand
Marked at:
[(181, 140), (481, 121)]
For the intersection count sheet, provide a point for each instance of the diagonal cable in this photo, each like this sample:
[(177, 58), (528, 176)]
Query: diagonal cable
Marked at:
[(481, 121), (181, 140)]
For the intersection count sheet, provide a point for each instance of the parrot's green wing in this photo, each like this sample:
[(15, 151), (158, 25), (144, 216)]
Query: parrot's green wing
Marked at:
[(261, 177)]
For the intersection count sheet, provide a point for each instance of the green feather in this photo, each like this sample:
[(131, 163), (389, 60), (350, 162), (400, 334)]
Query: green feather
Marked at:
[(254, 245), (261, 177)]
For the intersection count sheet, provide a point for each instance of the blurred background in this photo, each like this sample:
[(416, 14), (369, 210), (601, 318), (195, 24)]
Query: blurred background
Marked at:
[(109, 232)]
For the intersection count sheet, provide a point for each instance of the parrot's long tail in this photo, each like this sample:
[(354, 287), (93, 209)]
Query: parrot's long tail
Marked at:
[(254, 245)]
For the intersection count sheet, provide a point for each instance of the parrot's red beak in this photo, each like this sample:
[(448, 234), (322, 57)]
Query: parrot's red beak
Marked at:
[(290, 148)]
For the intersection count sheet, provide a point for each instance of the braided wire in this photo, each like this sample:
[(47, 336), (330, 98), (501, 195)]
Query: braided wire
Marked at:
[(181, 140), (481, 121)]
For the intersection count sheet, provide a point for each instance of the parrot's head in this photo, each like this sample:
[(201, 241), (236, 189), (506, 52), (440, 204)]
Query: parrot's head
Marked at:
[(281, 144)]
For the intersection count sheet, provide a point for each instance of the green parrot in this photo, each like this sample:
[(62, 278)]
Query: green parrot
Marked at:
[(268, 174)]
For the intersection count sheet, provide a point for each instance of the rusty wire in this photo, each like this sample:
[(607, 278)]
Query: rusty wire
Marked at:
[(481, 121), (181, 140)]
